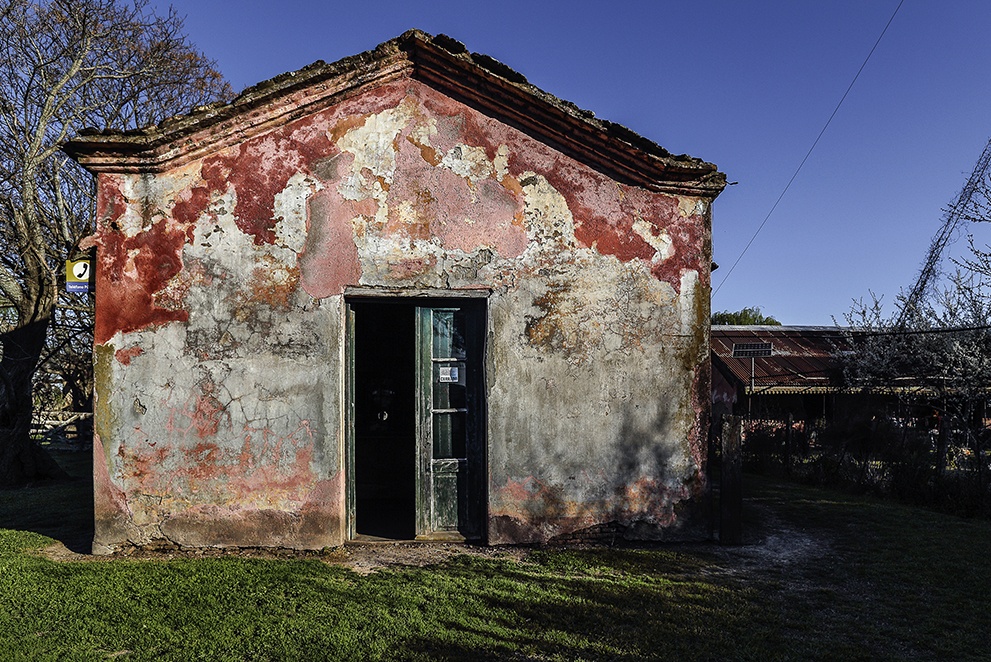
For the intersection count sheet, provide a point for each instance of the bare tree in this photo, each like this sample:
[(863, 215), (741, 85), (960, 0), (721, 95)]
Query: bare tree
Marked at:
[(66, 65), (934, 355)]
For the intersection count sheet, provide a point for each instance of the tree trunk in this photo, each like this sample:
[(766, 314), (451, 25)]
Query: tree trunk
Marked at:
[(21, 460)]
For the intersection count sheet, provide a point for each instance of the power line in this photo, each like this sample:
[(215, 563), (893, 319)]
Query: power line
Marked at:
[(920, 332), (809, 153)]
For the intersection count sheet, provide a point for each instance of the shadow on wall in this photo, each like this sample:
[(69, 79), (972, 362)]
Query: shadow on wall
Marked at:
[(649, 449), (639, 496), (62, 510)]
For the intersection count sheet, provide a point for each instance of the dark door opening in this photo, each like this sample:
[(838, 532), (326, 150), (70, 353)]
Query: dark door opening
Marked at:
[(418, 418), (384, 420)]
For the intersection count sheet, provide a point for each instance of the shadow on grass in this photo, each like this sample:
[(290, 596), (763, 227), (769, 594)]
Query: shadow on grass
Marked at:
[(874, 581), (60, 510), (609, 604)]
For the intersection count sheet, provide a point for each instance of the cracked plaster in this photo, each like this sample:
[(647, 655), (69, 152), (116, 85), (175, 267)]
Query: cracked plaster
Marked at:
[(594, 342)]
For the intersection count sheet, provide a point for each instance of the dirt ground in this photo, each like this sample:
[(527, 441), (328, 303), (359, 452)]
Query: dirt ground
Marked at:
[(771, 545), (777, 551), (64, 512), (362, 558)]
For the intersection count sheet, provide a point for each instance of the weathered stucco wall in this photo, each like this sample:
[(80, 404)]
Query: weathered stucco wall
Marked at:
[(219, 331)]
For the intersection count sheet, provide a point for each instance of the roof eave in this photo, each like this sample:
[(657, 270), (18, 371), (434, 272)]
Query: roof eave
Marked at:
[(439, 62), (178, 140)]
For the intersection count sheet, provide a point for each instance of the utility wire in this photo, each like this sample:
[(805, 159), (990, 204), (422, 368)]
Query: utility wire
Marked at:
[(809, 153), (920, 332)]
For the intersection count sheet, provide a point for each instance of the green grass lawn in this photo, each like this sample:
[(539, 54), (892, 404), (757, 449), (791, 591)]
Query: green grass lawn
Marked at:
[(829, 577)]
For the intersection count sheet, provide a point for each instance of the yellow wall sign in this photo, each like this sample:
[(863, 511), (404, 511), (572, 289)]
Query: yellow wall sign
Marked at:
[(78, 275)]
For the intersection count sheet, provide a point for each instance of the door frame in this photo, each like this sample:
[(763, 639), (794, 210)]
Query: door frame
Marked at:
[(423, 297)]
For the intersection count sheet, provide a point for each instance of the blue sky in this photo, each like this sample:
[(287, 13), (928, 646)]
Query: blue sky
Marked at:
[(746, 85)]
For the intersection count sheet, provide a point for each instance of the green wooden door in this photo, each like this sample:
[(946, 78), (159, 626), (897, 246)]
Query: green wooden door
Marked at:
[(450, 414)]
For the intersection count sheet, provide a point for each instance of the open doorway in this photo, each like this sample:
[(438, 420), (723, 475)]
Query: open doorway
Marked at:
[(417, 418), (384, 419)]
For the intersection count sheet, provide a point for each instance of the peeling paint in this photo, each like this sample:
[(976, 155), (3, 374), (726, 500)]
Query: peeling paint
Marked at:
[(220, 336), (125, 355)]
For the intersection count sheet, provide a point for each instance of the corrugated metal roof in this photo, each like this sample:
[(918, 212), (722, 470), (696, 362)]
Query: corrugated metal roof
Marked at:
[(803, 359)]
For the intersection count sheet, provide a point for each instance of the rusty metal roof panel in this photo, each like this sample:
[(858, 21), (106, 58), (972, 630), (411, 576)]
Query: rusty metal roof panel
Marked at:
[(804, 358)]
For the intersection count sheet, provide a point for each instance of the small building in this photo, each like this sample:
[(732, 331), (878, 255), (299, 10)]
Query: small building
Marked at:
[(404, 295), (801, 375)]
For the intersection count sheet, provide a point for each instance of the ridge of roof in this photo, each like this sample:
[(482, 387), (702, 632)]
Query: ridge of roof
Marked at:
[(783, 328), (439, 61)]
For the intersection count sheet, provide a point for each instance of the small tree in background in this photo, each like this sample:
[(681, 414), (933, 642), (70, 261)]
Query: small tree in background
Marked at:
[(66, 65), (748, 316)]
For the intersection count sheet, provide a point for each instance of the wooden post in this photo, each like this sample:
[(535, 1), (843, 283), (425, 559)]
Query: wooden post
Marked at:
[(789, 443), (942, 443), (731, 483)]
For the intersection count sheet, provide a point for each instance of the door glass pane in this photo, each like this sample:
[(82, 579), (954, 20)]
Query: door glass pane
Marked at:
[(449, 385), (449, 334), (449, 435)]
